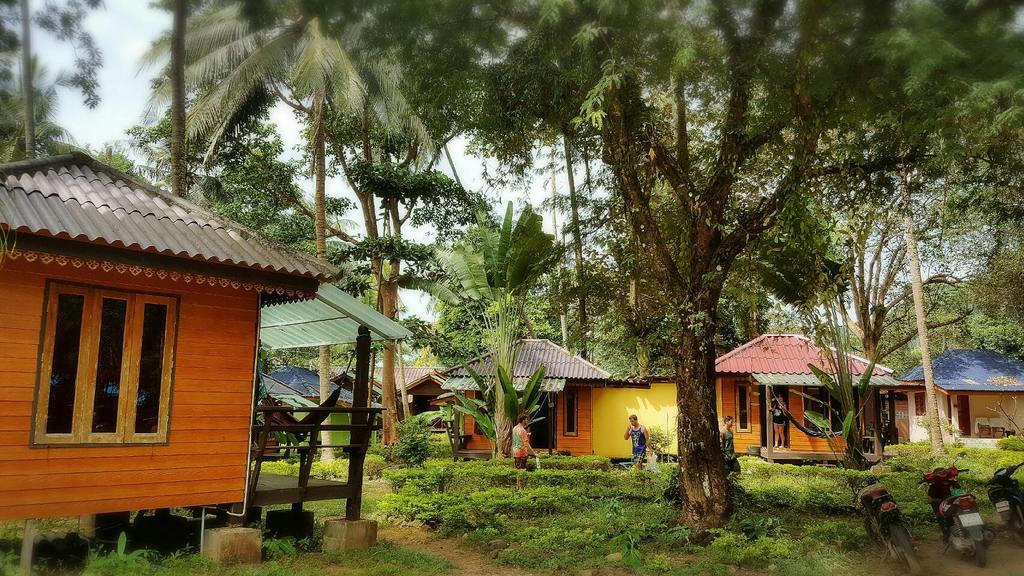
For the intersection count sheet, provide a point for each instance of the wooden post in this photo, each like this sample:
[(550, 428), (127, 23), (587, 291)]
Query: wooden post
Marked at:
[(361, 420), (771, 422), (28, 541), (552, 432), (894, 431)]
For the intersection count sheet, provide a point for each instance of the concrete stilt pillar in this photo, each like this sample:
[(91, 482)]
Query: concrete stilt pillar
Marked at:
[(341, 534)]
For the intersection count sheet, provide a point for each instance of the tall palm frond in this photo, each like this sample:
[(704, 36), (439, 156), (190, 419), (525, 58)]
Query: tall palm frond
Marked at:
[(230, 60)]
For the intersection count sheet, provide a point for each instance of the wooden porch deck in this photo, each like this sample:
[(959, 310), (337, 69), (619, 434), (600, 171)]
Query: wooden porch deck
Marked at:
[(279, 489), (784, 455)]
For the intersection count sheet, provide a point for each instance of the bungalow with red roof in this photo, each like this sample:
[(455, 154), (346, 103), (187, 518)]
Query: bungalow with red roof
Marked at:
[(778, 365)]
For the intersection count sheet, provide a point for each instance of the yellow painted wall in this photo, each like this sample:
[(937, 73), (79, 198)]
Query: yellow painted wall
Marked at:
[(654, 407)]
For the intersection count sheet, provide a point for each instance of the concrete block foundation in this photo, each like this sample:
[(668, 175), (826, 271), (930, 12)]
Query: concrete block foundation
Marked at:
[(341, 534), (225, 546)]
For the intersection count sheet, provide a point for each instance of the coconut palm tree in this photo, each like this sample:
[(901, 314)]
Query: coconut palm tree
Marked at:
[(493, 272), (50, 138), (302, 54)]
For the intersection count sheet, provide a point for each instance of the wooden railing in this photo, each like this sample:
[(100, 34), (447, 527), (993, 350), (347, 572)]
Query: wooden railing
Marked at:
[(305, 440)]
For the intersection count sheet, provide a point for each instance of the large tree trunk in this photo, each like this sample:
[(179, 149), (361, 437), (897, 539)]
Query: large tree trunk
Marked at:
[(705, 490), (577, 244), (917, 288), (179, 182), (320, 224), (27, 94)]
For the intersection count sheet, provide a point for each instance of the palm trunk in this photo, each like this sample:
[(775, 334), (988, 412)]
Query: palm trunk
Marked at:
[(916, 286), (577, 241), (389, 307), (562, 319), (320, 223), (179, 183), (706, 493), (28, 95)]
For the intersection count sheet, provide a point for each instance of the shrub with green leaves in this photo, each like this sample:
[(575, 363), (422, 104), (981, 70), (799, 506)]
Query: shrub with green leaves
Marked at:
[(413, 446), (1012, 443)]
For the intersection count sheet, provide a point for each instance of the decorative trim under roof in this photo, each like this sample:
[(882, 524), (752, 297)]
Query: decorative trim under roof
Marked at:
[(466, 383)]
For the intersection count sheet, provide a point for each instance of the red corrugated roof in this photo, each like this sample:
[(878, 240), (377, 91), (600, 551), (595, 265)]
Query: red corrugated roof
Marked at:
[(783, 354)]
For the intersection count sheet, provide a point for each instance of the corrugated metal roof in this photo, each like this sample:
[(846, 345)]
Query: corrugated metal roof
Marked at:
[(333, 317), (76, 197), (972, 371), (812, 381), (783, 354), (533, 353), (304, 382), (464, 383)]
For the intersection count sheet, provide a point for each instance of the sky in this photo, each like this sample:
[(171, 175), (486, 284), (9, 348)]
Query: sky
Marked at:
[(125, 29)]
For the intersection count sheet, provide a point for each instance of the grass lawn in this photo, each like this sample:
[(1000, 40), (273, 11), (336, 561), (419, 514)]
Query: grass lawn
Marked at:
[(577, 515)]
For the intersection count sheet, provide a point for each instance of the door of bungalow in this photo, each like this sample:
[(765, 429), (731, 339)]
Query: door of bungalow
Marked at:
[(963, 414), (541, 431)]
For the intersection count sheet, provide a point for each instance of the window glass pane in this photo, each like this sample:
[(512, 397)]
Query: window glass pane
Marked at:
[(570, 411), (742, 407), (64, 369), (151, 365), (108, 365)]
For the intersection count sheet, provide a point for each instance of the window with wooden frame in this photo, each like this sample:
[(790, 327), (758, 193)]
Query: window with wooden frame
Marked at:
[(105, 372), (743, 407), (572, 411), (919, 406)]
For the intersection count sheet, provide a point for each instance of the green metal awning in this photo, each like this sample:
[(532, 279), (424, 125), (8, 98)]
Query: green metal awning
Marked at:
[(810, 380), (333, 317), (463, 383)]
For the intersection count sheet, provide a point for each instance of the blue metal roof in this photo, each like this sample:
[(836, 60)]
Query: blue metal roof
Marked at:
[(972, 371), (306, 382)]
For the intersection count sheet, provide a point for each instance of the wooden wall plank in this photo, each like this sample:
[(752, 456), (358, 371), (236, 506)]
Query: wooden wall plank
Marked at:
[(203, 461)]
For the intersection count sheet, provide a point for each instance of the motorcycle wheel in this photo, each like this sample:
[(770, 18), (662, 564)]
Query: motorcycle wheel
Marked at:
[(1017, 523), (980, 554), (901, 541)]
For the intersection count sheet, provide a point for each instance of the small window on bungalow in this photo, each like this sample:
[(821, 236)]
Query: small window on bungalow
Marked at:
[(106, 367), (743, 407), (572, 407)]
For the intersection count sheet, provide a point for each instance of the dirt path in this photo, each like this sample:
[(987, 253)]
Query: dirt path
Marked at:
[(1005, 558), (465, 561)]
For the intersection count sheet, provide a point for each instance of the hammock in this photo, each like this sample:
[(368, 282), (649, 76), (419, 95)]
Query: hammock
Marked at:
[(811, 430)]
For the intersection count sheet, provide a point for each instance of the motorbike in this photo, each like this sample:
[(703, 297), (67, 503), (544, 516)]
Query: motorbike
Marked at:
[(957, 514), (1005, 494), (884, 523)]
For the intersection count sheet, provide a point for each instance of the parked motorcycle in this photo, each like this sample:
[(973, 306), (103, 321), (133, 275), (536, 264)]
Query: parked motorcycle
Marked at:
[(957, 513), (1005, 494), (884, 523)]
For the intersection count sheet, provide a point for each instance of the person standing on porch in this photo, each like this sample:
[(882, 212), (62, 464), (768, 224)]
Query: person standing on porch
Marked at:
[(637, 435), (779, 421)]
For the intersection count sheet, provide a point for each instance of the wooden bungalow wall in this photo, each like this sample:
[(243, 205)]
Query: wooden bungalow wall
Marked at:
[(580, 444), (798, 441), (204, 460)]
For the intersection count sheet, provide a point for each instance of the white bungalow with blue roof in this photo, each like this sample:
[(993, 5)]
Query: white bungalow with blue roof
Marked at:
[(980, 396)]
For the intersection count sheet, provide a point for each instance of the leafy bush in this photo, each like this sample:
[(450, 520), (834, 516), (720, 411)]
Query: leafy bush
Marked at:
[(738, 550), (478, 509), (373, 467), (1012, 443), (658, 440), (475, 476), (440, 448), (413, 444), (837, 534)]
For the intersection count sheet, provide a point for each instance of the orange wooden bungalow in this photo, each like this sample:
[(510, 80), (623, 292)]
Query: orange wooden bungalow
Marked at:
[(776, 365), (572, 388), (129, 324)]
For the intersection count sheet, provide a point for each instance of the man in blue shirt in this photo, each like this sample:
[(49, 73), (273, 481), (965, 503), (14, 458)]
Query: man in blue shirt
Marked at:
[(637, 434)]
